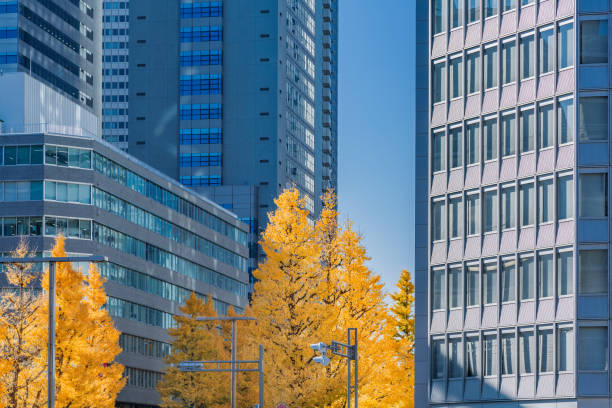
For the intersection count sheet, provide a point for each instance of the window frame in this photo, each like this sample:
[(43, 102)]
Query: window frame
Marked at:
[(522, 36), (539, 200), (573, 50), (560, 100), (545, 29)]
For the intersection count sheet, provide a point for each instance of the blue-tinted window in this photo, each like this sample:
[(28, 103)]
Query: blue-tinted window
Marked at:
[(198, 10), (200, 85), (8, 32), (201, 180), (8, 7), (197, 58), (198, 34), (8, 58), (201, 111), (200, 160), (201, 136)]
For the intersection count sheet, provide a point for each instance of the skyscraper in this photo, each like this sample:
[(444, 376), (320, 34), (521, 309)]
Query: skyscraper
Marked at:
[(56, 42), (235, 99), (513, 289)]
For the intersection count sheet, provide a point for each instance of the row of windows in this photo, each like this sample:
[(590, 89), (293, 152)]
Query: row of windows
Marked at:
[(8, 32), (115, 45), (200, 85), (115, 5), (8, 57), (140, 378), (144, 346), (67, 156), (201, 181), (304, 84), (201, 111), (500, 210), (115, 98), (68, 192), (114, 125), (304, 61), (145, 219), (21, 226), (302, 36), (299, 104), (8, 7), (21, 191), (301, 12), (517, 279), (116, 58), (536, 129), (490, 354), (148, 252), (299, 176), (77, 24), (297, 128), (200, 10), (200, 160), (16, 155), (115, 71), (197, 34), (116, 19), (139, 313), (198, 58), (487, 60), (116, 31), (300, 153), (201, 136), (33, 226), (114, 111), (115, 85), (155, 192)]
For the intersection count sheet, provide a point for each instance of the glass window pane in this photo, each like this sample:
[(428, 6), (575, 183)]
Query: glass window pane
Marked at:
[(508, 357), (547, 52), (565, 38), (35, 226), (508, 208), (438, 221), (594, 42), (50, 155), (593, 272), (593, 119), (527, 207), (526, 352), (456, 147), (472, 142), (508, 5), (472, 283), (10, 191), (10, 227), (23, 155), (508, 281), (455, 217), (455, 364), (37, 154), (23, 191), (490, 67), (489, 283), (62, 192), (438, 151), (455, 84), (489, 129), (526, 273), (565, 121), (50, 190), (545, 343), (508, 62), (593, 349), (593, 195), (473, 212), (490, 355), (50, 227), (84, 194), (439, 82), (546, 122), (73, 228), (490, 8), (565, 197), (473, 10), (456, 13), (62, 156), (73, 193), (85, 159), (473, 72), (23, 226), (10, 155), (565, 273), (439, 16), (545, 268), (527, 125), (508, 129), (472, 353), (490, 211), (546, 200), (85, 229), (527, 55), (565, 361), (73, 157), (36, 190), (438, 359), (454, 287), (439, 290)]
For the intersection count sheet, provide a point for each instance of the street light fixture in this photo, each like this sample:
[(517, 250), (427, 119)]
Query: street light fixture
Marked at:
[(52, 292)]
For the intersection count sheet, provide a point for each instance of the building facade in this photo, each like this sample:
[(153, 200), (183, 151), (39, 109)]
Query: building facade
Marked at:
[(57, 42), (517, 147), (234, 99)]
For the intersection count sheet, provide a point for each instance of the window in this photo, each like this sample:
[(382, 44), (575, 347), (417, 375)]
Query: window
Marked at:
[(438, 359), (489, 283), (593, 272), (526, 119), (545, 355), (526, 278), (508, 274), (490, 8), (546, 199), (490, 211), (473, 10), (593, 348), (545, 269), (594, 42), (490, 355), (455, 85), (565, 120), (508, 357), (471, 356), (439, 290), (439, 82), (508, 5), (526, 2), (565, 197), (565, 273), (546, 121), (456, 17), (455, 217), (508, 130), (547, 52), (490, 67), (527, 207), (472, 142), (508, 207), (593, 119), (473, 211), (565, 38), (455, 365), (508, 59), (526, 352), (454, 286), (456, 147), (438, 221), (438, 152), (472, 61), (565, 349), (593, 194), (489, 128), (439, 14), (527, 53), (472, 283)]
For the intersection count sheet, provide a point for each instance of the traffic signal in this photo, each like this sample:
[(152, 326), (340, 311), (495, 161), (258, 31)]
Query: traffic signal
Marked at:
[(321, 348)]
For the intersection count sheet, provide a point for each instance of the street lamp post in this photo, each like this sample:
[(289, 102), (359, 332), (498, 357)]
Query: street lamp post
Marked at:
[(52, 295)]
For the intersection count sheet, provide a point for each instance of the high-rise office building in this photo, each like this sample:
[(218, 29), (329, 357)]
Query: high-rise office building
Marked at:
[(56, 42), (513, 289), (235, 99)]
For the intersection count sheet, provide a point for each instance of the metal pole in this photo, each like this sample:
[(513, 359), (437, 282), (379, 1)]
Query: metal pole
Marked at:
[(233, 364), (356, 391), (261, 376), (348, 376), (51, 352)]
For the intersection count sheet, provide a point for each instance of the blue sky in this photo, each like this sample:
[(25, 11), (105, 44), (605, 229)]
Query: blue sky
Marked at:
[(376, 131)]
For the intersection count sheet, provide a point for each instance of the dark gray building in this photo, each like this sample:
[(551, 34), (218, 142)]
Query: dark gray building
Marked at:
[(236, 99), (57, 42), (163, 241)]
